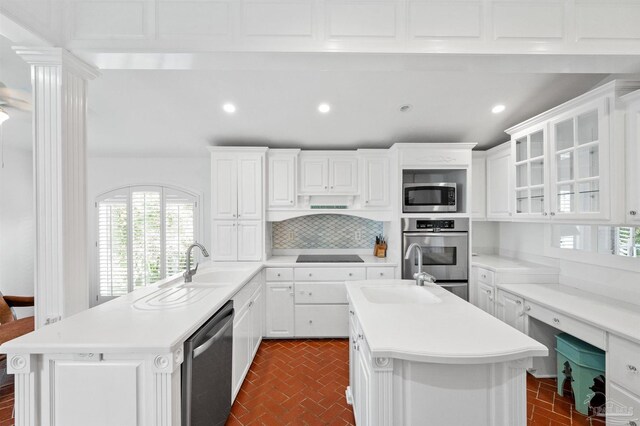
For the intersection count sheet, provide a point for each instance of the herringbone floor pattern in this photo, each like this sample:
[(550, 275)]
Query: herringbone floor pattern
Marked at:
[(296, 382)]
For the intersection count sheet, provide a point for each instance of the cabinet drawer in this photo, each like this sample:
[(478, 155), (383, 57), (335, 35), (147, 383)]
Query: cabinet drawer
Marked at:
[(380, 273), (279, 274), (322, 321), (329, 274), (627, 407), (623, 360), (582, 331), (485, 276), (241, 298), (321, 293)]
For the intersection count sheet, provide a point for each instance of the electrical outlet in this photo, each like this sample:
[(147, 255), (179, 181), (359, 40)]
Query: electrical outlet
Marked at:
[(357, 235), (292, 235)]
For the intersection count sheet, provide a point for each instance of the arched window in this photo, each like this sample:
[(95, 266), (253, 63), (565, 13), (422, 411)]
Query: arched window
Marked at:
[(143, 233)]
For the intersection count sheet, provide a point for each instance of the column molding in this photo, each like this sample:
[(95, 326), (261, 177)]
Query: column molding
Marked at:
[(59, 85)]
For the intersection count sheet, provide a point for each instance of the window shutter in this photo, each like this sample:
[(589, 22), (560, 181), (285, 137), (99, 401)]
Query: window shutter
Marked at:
[(112, 244), (180, 223), (146, 239)]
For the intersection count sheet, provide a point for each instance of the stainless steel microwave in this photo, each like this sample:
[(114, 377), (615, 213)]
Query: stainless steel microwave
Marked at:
[(429, 197)]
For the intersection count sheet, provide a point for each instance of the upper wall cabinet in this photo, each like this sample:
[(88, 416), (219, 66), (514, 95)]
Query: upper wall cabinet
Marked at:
[(567, 162), (499, 182), (479, 185), (282, 172), (236, 184), (328, 173), (632, 102), (376, 186)]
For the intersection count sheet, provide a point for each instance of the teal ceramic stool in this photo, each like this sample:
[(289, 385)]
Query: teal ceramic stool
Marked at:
[(581, 363)]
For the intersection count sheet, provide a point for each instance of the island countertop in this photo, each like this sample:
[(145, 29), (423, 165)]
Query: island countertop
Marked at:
[(448, 331), (157, 318)]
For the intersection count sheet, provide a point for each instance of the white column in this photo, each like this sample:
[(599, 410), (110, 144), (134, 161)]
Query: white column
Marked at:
[(59, 84)]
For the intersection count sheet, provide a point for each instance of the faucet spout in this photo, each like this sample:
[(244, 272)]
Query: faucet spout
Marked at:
[(419, 276), (189, 273)]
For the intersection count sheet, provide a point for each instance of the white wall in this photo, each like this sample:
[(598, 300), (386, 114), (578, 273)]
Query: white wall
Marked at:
[(527, 241), (17, 225), (107, 173)]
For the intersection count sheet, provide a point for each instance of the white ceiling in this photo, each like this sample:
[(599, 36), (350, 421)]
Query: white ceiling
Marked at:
[(167, 113)]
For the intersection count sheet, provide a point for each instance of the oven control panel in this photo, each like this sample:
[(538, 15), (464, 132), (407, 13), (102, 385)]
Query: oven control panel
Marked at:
[(435, 224)]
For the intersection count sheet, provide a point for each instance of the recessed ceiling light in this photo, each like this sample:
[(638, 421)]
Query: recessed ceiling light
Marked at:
[(229, 108), (405, 108), (324, 108), (498, 109)]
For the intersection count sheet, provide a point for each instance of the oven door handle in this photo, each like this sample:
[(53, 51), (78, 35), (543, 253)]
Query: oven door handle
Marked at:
[(206, 345), (435, 234), (451, 285)]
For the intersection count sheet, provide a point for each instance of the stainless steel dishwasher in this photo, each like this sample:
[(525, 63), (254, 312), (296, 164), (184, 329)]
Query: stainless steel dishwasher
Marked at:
[(206, 371)]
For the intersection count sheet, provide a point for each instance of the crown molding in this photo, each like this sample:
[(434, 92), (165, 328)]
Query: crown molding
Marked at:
[(56, 56)]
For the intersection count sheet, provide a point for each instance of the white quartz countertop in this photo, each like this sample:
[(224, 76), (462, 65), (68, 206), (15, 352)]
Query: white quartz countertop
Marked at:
[(617, 317), (157, 318), (451, 331), (290, 261), (499, 263)]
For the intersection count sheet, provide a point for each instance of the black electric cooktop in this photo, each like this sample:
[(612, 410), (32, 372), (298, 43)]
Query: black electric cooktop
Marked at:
[(329, 258)]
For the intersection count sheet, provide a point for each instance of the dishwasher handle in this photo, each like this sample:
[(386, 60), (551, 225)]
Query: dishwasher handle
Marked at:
[(203, 347)]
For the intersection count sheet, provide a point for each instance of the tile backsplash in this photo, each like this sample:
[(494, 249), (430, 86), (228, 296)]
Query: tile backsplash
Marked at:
[(326, 231)]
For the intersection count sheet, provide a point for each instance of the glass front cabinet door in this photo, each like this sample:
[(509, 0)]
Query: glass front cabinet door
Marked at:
[(578, 163), (528, 150)]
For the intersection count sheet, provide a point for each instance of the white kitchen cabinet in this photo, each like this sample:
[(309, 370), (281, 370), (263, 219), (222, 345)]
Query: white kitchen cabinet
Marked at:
[(632, 101), (322, 173), (485, 297), (314, 320), (236, 203), (510, 309), (362, 397), (376, 181), (279, 309), (499, 182), (248, 326), (529, 173), (282, 172), (479, 185)]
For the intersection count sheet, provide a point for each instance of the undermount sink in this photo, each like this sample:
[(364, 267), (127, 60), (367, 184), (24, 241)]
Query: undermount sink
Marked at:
[(217, 277), (399, 295)]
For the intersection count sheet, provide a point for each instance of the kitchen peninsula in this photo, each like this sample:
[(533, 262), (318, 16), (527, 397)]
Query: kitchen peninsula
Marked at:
[(422, 355)]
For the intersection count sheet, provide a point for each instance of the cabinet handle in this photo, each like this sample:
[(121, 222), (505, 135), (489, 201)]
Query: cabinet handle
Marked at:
[(352, 313), (488, 291), (556, 320), (633, 212), (518, 302), (233, 215), (331, 186), (527, 308), (238, 215), (632, 368), (325, 187), (366, 202), (278, 274), (309, 273), (381, 274), (310, 322), (251, 303), (350, 274), (310, 293), (484, 276), (544, 213), (233, 224), (290, 287), (552, 213)]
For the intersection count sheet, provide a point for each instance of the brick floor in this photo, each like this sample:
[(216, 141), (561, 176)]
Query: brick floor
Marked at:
[(545, 407), (296, 382), (302, 382)]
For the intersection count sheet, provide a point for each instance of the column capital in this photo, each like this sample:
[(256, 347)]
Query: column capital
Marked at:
[(52, 56)]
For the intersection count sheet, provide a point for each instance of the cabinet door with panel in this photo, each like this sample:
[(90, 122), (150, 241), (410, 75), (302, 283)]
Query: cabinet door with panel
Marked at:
[(499, 182), (510, 309), (314, 174), (485, 298), (249, 245), (363, 383), (528, 150), (257, 321), (224, 186), (279, 310), (376, 184), (240, 353), (579, 163), (249, 186), (479, 186), (225, 240), (343, 175), (633, 157), (282, 179)]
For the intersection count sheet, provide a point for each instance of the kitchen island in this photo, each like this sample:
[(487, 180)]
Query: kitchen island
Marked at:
[(421, 355)]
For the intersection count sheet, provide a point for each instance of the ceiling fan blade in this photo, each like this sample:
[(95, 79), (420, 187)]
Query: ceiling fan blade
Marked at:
[(13, 98)]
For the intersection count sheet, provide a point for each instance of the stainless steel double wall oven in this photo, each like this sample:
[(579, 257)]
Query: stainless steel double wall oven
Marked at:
[(445, 251)]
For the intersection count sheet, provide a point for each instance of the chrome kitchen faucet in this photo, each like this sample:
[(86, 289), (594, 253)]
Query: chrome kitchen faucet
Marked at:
[(420, 276), (189, 273)]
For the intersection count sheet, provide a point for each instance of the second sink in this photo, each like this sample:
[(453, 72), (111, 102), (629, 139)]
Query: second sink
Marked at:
[(399, 295)]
